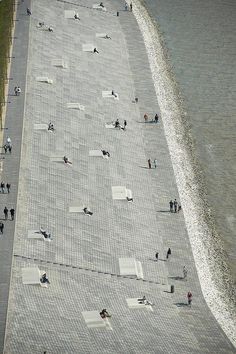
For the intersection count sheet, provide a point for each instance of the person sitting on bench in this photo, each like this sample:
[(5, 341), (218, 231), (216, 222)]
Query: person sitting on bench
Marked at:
[(107, 37), (144, 301), (129, 199), (95, 50), (101, 4), (104, 313), (50, 29), (51, 126), (105, 153), (66, 160), (41, 24), (117, 123), (76, 17), (45, 233), (86, 211), (44, 279), (113, 93)]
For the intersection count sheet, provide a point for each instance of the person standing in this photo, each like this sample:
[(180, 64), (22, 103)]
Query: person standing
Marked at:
[(12, 212), (5, 213), (1, 227), (5, 148), (190, 298), (168, 253), (125, 124), (155, 163), (145, 117), (171, 206), (175, 205), (29, 12), (185, 272), (3, 187), (126, 6), (156, 255), (8, 187), (131, 6), (149, 163), (156, 118)]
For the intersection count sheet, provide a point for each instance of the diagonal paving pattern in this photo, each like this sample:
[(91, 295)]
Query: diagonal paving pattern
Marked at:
[(51, 319)]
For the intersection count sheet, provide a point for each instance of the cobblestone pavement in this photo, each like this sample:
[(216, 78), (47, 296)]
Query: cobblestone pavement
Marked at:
[(82, 259)]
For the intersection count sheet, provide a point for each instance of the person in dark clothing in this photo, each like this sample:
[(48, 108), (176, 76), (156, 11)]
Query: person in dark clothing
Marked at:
[(12, 212), (44, 279), (156, 118), (156, 255), (149, 163), (8, 187), (171, 206), (3, 187), (168, 253), (117, 124), (104, 313), (5, 213), (1, 227), (95, 50), (29, 12), (87, 212), (175, 205)]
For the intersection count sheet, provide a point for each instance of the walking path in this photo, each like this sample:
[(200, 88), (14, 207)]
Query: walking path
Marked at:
[(11, 162), (82, 260)]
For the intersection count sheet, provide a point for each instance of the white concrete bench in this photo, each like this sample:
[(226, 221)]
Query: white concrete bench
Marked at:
[(101, 35), (130, 267), (75, 105), (76, 209), (44, 79), (110, 126), (56, 159), (32, 276), (108, 94), (97, 153), (133, 303), (38, 126), (69, 14), (121, 193), (60, 63), (36, 234), (94, 320), (98, 7), (88, 47)]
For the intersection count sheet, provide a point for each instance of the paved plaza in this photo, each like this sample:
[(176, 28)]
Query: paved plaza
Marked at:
[(63, 82)]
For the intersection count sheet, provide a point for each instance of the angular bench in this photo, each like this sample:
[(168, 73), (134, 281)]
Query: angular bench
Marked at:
[(133, 303), (75, 105), (38, 126), (94, 320), (59, 63), (88, 47), (44, 79), (69, 14), (36, 234), (101, 35), (97, 153), (131, 267), (32, 276), (121, 193), (108, 94)]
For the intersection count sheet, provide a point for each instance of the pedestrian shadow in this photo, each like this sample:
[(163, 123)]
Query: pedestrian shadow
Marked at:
[(177, 278), (163, 211), (149, 122), (147, 168), (159, 259), (181, 304), (11, 95)]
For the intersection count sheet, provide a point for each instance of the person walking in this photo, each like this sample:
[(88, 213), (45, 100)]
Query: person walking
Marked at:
[(156, 118), (10, 148), (12, 212), (155, 163), (3, 187), (175, 205), (126, 6), (168, 254), (8, 187), (5, 148), (29, 13), (131, 6), (171, 206), (125, 124), (145, 117), (190, 298), (149, 163), (1, 227), (156, 255), (185, 272), (5, 213)]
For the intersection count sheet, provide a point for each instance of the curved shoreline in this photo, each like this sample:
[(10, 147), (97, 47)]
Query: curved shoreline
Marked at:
[(209, 255)]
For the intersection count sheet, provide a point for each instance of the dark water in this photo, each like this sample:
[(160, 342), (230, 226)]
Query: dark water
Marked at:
[(200, 36)]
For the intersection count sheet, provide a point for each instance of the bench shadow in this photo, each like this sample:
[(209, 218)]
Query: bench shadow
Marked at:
[(181, 304), (177, 278)]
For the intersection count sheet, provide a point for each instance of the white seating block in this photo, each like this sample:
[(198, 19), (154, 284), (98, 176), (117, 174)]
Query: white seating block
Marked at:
[(88, 47), (60, 63), (44, 79), (75, 105), (130, 267), (94, 320), (107, 94), (118, 192), (35, 234), (57, 159), (38, 126), (95, 153), (101, 35), (98, 7), (110, 126), (134, 304), (69, 14), (31, 275), (77, 209)]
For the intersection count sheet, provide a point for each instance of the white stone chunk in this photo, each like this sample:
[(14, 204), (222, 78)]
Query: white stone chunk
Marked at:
[(31, 275), (107, 94), (93, 319), (60, 63), (130, 267), (75, 105), (40, 126), (88, 47), (44, 79), (69, 14)]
